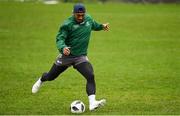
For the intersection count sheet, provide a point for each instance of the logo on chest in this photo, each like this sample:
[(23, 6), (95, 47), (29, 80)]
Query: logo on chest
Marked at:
[(87, 24)]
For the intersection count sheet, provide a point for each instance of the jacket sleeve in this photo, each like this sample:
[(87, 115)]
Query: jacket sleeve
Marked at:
[(61, 37), (96, 26)]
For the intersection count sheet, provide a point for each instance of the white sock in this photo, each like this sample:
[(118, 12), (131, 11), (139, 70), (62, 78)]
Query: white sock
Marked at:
[(40, 80), (92, 98)]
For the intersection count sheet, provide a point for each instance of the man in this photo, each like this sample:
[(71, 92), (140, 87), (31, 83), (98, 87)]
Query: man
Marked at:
[(72, 42)]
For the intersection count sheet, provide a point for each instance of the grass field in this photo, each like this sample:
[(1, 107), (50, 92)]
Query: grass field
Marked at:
[(136, 63)]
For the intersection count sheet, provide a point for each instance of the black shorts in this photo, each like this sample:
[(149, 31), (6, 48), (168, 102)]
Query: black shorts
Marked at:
[(63, 60)]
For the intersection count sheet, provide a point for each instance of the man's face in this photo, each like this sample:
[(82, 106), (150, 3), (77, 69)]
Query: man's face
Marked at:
[(79, 17)]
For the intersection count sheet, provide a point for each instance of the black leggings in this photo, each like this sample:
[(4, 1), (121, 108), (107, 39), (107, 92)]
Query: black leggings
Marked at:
[(84, 68)]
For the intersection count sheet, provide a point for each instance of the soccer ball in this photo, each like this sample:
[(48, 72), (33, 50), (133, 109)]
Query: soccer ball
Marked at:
[(77, 107)]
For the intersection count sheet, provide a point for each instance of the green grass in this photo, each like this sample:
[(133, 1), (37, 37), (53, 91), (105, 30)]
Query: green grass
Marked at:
[(136, 63)]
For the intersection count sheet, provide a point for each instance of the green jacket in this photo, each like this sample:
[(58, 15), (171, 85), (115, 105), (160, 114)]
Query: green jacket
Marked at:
[(76, 36)]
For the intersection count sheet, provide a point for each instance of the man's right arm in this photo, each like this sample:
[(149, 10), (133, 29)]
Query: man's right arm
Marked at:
[(60, 38)]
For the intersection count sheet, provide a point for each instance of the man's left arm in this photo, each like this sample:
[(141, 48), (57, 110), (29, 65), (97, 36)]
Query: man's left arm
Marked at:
[(97, 27)]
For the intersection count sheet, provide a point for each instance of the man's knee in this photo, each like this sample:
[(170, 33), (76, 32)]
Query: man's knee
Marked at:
[(86, 70)]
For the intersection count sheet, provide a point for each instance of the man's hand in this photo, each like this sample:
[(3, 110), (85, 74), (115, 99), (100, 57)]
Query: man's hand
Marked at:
[(106, 26), (66, 51)]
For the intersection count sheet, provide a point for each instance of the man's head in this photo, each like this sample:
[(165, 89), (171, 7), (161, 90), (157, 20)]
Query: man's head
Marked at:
[(79, 12)]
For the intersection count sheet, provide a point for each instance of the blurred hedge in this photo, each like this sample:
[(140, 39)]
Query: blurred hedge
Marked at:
[(104, 1), (133, 1)]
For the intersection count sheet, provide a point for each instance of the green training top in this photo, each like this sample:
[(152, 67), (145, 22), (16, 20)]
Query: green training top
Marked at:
[(76, 35)]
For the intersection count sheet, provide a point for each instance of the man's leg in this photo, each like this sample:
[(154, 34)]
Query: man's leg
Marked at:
[(86, 70), (51, 75)]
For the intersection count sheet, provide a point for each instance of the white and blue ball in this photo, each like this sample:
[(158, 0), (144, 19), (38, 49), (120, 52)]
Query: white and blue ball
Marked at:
[(77, 107)]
